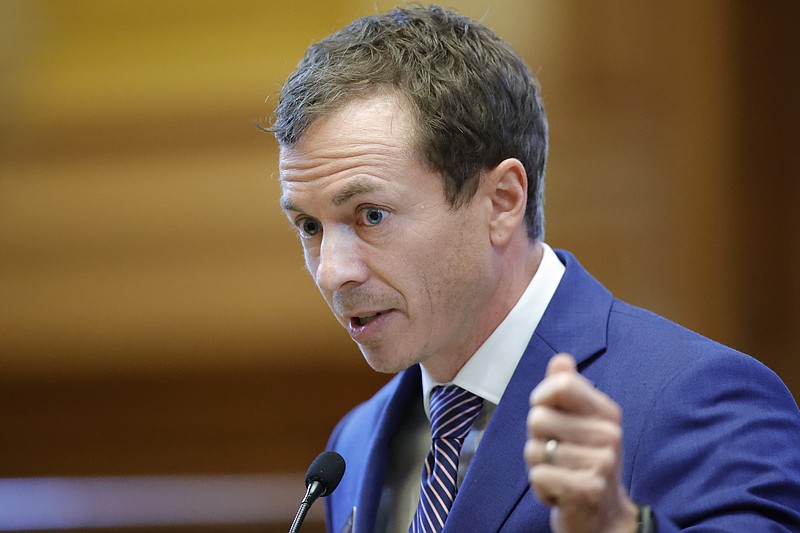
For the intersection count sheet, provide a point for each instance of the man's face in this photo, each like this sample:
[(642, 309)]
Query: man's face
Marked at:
[(408, 276)]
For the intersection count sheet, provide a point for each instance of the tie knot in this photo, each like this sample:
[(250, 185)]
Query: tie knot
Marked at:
[(453, 410)]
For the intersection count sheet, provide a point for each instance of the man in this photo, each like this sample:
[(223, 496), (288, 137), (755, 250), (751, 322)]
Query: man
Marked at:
[(412, 154)]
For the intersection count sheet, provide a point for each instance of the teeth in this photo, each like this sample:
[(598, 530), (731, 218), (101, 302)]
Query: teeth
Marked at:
[(364, 320)]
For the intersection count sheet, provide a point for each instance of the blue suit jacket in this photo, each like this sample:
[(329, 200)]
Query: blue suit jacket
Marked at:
[(711, 436)]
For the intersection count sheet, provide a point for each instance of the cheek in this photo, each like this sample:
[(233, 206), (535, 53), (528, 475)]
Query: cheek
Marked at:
[(445, 275), (457, 270), (312, 261)]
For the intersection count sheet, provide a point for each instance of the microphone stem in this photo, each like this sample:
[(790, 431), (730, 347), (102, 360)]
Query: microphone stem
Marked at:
[(300, 516), (315, 489)]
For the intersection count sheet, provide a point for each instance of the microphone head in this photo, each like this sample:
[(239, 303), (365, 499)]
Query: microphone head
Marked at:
[(328, 469)]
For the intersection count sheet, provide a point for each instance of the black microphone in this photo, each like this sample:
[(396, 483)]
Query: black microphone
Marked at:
[(322, 478)]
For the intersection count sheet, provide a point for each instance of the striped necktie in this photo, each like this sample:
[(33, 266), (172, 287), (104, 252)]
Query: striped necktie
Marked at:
[(453, 410)]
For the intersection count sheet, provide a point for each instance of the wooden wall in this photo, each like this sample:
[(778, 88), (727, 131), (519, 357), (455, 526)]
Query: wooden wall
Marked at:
[(155, 317)]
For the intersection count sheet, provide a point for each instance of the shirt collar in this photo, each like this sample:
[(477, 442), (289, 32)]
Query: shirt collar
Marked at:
[(489, 370)]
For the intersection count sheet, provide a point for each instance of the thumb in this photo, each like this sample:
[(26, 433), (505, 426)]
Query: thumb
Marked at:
[(562, 362)]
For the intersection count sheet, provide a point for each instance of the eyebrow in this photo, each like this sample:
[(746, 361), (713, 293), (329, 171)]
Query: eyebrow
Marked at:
[(352, 189), (288, 205)]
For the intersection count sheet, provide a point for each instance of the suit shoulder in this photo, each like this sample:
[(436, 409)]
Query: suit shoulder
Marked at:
[(658, 354), (633, 329)]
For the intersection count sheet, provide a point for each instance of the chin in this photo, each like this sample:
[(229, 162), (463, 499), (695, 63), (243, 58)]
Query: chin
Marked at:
[(386, 363)]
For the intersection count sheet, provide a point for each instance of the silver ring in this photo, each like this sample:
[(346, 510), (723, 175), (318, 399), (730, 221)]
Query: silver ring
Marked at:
[(550, 451)]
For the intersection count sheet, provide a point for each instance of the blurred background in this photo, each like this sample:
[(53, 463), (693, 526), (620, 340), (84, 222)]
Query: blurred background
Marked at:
[(165, 361)]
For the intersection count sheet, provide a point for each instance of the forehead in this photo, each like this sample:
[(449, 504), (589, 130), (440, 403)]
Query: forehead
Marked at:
[(383, 118), (361, 144)]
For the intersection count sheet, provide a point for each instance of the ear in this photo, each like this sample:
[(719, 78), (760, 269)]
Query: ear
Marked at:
[(508, 191)]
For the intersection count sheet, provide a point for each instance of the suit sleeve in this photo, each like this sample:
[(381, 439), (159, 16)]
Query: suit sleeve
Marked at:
[(720, 450)]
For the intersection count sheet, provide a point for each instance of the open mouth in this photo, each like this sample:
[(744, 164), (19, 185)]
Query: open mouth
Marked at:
[(361, 321)]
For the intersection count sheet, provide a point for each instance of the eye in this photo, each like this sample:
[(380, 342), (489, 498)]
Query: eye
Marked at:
[(309, 226), (374, 216)]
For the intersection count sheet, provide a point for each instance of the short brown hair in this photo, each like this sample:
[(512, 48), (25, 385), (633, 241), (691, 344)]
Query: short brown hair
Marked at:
[(475, 100)]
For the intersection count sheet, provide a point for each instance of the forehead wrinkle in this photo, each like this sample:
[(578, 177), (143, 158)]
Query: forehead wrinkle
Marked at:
[(294, 163)]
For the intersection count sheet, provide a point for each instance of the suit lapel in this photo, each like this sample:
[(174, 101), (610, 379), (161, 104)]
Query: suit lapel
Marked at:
[(574, 322), (374, 467), (576, 319)]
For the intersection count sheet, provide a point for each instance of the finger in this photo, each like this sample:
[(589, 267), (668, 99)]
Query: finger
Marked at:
[(545, 422), (573, 393), (562, 362), (599, 461), (545, 491)]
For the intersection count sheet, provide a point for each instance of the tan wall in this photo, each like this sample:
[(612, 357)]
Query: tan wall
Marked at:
[(143, 254)]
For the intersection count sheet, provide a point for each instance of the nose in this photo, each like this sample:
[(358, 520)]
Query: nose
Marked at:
[(340, 263)]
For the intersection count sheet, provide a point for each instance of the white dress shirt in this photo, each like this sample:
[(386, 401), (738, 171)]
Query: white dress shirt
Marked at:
[(485, 374)]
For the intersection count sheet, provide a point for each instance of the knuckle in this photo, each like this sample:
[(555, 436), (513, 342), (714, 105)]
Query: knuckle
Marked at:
[(608, 434), (536, 421), (606, 461), (529, 452), (542, 490), (535, 480), (615, 435), (531, 419)]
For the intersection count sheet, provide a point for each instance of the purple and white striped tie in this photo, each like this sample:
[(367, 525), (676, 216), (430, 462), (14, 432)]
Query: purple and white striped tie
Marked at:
[(453, 410)]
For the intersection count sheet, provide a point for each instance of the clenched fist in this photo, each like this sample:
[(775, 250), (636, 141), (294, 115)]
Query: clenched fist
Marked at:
[(574, 453)]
